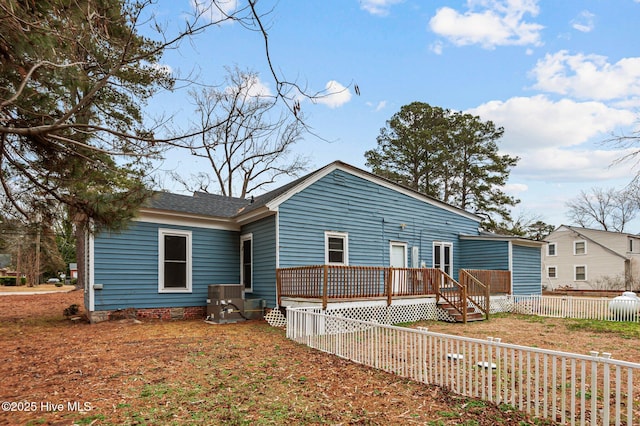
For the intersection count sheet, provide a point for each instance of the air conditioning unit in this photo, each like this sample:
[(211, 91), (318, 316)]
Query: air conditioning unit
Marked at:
[(225, 303)]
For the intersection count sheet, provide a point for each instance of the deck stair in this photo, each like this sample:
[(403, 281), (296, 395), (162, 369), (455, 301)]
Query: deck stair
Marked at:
[(473, 314)]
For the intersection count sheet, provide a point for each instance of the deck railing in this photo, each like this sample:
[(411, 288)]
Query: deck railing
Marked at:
[(499, 282), (478, 293), (564, 387), (336, 282)]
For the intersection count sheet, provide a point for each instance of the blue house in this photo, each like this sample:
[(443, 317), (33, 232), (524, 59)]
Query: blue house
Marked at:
[(339, 216)]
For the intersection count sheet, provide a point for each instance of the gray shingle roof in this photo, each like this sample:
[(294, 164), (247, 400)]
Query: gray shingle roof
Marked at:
[(212, 205), (199, 203)]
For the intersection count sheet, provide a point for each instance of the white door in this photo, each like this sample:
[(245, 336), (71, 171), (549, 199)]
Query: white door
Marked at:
[(443, 257), (398, 256)]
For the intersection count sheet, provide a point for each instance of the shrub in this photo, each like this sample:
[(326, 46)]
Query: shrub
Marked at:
[(71, 310), (8, 281)]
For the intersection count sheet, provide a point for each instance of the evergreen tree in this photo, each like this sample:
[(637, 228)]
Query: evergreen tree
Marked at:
[(73, 77), (448, 155)]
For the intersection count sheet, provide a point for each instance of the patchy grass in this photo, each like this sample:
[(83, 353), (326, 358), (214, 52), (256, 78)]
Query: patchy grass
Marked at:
[(626, 330), (190, 372)]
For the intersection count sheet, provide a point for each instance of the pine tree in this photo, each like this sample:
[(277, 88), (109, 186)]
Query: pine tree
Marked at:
[(448, 155)]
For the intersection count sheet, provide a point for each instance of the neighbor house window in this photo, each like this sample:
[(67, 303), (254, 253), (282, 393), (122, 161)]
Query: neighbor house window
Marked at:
[(552, 272), (174, 261), (580, 273), (551, 249), (579, 247), (336, 248)]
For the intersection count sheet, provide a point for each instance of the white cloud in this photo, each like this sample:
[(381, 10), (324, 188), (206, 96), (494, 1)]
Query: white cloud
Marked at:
[(436, 47), (584, 22), (582, 165), (252, 87), (377, 107), (378, 7), (215, 10), (553, 137), (489, 23), (538, 122), (515, 188), (334, 95), (588, 76)]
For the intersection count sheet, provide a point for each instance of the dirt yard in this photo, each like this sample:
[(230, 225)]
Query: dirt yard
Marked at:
[(59, 372)]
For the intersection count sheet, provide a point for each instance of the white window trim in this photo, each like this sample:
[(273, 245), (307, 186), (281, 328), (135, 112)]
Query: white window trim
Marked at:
[(574, 247), (554, 267), (404, 246), (555, 245), (575, 273), (162, 232), (243, 238), (345, 237), (442, 244)]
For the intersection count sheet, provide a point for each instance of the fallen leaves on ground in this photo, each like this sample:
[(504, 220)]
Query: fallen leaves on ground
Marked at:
[(61, 372)]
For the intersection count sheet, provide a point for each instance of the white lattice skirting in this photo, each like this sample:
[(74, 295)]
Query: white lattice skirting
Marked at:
[(400, 311)]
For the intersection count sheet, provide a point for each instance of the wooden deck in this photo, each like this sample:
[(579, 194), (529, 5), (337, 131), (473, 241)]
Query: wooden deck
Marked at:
[(346, 283)]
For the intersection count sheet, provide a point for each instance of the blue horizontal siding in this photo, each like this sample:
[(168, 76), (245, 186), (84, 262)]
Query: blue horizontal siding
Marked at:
[(484, 254), (126, 264), (527, 278), (372, 216), (264, 259)]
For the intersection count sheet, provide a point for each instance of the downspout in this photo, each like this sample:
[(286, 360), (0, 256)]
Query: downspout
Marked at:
[(91, 280), (511, 264), (277, 225)]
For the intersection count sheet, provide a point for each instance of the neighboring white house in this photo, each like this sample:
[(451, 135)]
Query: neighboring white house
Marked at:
[(591, 259)]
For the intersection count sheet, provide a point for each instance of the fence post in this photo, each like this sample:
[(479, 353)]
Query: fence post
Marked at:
[(464, 304), (325, 282), (389, 284), (487, 299)]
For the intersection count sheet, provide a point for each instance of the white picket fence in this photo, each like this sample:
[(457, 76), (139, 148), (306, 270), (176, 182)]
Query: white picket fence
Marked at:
[(568, 388), (599, 308)]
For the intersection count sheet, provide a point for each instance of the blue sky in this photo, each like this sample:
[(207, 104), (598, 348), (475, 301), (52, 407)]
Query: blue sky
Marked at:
[(560, 76)]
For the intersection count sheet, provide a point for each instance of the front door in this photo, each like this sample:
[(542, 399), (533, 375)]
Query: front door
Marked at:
[(398, 256)]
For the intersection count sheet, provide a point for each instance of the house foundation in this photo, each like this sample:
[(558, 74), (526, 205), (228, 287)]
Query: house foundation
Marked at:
[(181, 313)]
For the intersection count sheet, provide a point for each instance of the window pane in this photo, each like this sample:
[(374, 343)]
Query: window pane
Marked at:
[(175, 275), (175, 248), (580, 273), (336, 257), (580, 247), (552, 272), (336, 244), (552, 249), (336, 249)]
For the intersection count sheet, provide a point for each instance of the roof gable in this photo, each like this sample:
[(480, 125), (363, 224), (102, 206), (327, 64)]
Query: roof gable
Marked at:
[(272, 200), (212, 205), (592, 235)]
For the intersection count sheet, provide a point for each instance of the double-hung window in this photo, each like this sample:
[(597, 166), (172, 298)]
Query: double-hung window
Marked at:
[(552, 249), (580, 273), (579, 247), (552, 272), (174, 261), (336, 248)]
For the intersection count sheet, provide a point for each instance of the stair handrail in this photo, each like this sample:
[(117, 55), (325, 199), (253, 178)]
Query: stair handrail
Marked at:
[(484, 308), (461, 305)]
